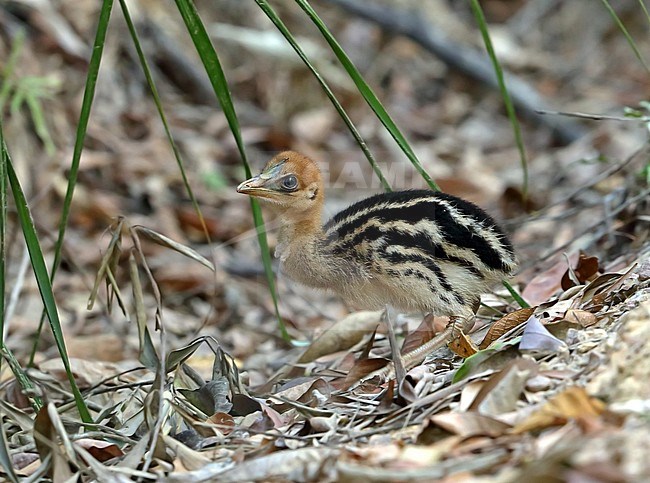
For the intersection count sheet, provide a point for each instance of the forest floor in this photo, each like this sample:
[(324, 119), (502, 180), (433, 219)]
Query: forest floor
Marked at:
[(557, 392)]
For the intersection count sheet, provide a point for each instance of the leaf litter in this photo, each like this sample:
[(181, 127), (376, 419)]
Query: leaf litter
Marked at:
[(201, 388)]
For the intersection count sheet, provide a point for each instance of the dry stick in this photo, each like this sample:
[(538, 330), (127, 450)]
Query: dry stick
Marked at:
[(467, 61), (596, 117)]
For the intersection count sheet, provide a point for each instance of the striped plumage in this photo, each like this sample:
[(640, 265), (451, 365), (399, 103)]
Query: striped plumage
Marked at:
[(415, 250)]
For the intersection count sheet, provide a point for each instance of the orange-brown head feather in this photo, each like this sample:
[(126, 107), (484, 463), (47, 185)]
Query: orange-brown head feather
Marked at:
[(292, 187)]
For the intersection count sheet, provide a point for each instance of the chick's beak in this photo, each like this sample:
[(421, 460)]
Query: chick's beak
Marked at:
[(262, 185), (252, 186)]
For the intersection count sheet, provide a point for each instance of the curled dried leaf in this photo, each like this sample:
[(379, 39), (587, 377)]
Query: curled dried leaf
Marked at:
[(506, 324), (463, 346), (585, 270)]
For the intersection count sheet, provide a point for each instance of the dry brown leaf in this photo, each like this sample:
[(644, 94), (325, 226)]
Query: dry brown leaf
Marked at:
[(178, 276), (505, 324), (242, 405), (463, 346), (91, 209), (469, 391), (275, 417), (314, 126), (224, 422), (547, 283), (364, 367), (502, 390), (44, 433), (387, 397), (22, 459), (597, 291), (51, 439), (376, 455), (15, 395), (573, 403), (424, 333), (100, 450), (469, 424), (341, 336), (98, 347), (301, 389), (513, 202), (192, 225), (580, 317), (585, 269), (25, 463)]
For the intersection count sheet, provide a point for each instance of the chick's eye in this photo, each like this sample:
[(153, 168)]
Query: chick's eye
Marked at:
[(289, 183)]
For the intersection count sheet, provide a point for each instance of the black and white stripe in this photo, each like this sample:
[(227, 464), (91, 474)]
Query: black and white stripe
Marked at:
[(423, 234)]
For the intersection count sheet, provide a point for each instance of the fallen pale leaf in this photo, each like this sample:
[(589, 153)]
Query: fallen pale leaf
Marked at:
[(342, 335), (470, 424), (536, 338), (503, 389), (573, 403)]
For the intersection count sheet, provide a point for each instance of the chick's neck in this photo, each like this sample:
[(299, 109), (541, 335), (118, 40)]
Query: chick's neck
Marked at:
[(300, 230)]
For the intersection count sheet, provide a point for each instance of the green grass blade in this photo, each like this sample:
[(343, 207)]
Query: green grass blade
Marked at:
[(36, 402), (273, 16), (5, 353), (482, 24), (645, 10), (82, 126), (4, 156), (367, 92), (515, 295), (43, 282), (625, 32), (212, 65), (161, 113)]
